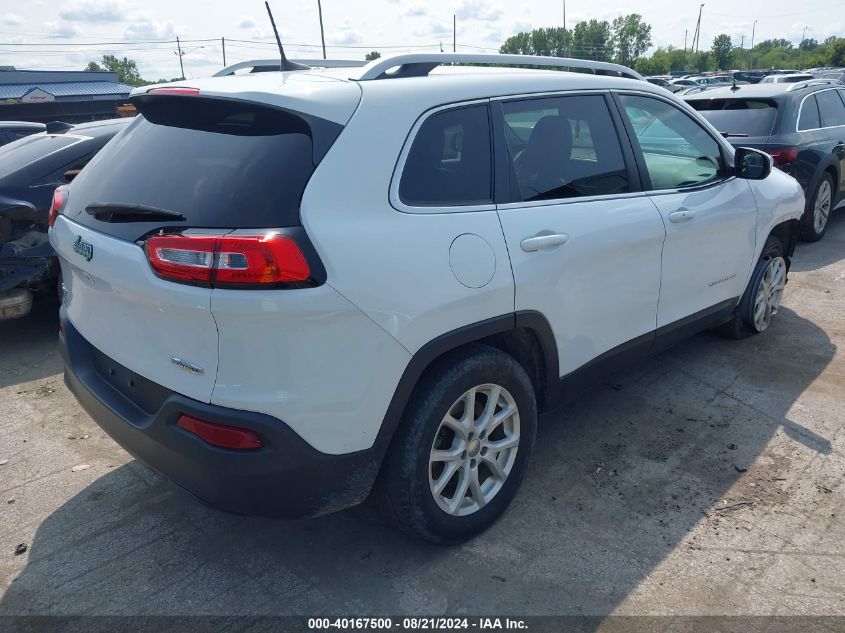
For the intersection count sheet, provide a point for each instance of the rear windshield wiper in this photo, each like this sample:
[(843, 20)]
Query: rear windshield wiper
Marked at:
[(730, 134), (124, 212)]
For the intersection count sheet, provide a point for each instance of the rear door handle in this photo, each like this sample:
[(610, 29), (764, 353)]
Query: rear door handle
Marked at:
[(539, 242), (682, 215)]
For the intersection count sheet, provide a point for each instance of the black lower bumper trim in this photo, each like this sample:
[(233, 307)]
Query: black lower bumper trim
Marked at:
[(287, 478)]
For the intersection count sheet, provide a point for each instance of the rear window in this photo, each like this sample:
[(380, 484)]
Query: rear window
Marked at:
[(743, 117), (15, 156), (220, 164), (809, 117), (449, 163)]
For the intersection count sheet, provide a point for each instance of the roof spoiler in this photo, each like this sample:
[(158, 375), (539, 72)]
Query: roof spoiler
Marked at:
[(421, 64)]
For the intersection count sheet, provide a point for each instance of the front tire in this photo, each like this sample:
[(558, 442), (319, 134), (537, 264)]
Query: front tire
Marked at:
[(762, 297), (814, 222), (462, 448)]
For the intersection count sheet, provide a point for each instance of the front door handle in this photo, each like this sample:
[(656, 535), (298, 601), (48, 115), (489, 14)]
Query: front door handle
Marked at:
[(682, 215), (539, 242)]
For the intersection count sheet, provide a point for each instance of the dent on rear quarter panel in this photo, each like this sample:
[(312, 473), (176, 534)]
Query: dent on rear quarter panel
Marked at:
[(309, 358)]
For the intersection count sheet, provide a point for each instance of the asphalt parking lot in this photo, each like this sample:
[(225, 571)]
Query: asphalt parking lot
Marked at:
[(709, 480)]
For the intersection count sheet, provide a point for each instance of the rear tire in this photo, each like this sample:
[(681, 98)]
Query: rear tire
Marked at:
[(452, 469), (817, 212), (762, 296)]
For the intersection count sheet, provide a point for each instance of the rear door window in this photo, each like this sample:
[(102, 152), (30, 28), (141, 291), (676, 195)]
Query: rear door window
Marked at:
[(449, 163), (739, 117), (831, 108), (809, 118), (220, 164), (563, 147)]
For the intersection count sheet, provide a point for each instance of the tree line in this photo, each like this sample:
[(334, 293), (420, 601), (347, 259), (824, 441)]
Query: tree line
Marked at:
[(626, 39)]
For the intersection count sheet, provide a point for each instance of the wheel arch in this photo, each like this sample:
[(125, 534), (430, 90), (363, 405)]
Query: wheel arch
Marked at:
[(525, 335), (787, 232)]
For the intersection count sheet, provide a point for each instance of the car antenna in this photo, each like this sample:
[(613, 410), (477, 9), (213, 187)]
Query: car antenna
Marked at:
[(734, 86), (285, 64)]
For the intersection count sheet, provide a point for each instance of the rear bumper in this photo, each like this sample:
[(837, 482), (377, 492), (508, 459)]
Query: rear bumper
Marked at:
[(287, 478)]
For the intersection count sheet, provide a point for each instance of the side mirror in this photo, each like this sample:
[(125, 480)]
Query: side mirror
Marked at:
[(752, 164)]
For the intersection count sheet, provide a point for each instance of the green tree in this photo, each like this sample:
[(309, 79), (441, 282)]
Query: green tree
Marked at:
[(809, 45), (372, 55), (721, 51), (591, 40), (553, 41), (126, 69), (631, 37), (836, 52)]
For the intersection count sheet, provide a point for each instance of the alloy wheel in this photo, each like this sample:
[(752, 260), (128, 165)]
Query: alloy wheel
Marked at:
[(769, 293), (474, 449), (821, 209)]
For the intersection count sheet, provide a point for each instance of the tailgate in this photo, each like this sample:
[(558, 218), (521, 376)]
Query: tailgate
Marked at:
[(116, 302)]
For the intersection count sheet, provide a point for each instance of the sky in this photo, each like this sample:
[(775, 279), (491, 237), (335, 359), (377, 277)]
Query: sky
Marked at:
[(66, 34)]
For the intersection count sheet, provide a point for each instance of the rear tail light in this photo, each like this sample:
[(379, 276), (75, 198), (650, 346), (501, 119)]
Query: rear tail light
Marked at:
[(59, 200), (783, 155), (231, 437), (228, 261)]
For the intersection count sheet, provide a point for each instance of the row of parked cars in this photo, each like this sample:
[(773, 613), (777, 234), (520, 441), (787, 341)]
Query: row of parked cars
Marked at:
[(294, 294), (688, 83)]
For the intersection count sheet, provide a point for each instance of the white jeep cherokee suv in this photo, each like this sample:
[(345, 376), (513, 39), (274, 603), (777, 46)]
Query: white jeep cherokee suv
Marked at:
[(286, 291)]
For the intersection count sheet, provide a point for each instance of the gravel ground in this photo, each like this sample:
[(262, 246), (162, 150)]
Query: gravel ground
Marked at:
[(708, 480)]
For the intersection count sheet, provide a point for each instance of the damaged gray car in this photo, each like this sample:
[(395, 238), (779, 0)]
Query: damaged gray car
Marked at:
[(31, 169)]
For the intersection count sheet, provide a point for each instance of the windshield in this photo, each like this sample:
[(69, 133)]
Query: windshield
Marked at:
[(739, 117)]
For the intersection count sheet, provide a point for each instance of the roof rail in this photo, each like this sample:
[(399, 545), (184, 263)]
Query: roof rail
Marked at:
[(811, 82), (272, 65), (420, 64)]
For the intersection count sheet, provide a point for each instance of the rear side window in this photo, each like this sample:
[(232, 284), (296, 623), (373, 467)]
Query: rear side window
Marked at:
[(563, 147), (831, 108), (809, 118), (739, 117), (449, 163), (220, 164)]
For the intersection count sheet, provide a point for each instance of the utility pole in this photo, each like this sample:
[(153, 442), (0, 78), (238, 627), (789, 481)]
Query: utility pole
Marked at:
[(564, 28), (454, 33), (696, 40), (751, 57), (801, 50), (179, 47), (223, 40), (322, 33)]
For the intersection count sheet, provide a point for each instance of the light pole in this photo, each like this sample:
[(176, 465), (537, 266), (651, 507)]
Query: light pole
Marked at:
[(322, 34), (751, 57), (801, 50)]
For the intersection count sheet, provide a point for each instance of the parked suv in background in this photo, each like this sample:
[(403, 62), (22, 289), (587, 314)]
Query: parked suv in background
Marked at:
[(801, 125), (285, 293)]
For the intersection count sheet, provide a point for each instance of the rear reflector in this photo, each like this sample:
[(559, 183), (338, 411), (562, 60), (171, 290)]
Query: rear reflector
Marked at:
[(221, 435), (783, 155), (228, 261), (191, 92), (59, 200)]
